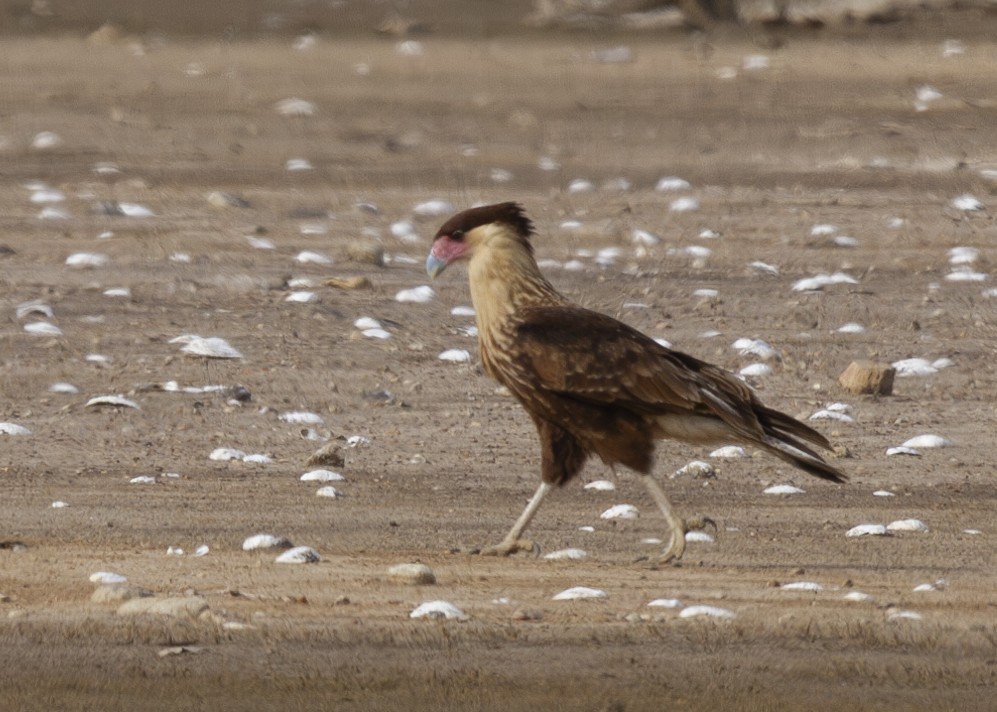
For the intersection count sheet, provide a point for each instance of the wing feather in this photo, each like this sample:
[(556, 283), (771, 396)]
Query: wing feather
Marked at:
[(592, 357)]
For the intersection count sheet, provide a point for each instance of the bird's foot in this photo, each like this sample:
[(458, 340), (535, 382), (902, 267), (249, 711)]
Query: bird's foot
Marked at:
[(676, 545), (510, 547)]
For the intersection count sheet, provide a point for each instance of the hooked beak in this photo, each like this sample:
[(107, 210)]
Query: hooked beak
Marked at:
[(434, 265)]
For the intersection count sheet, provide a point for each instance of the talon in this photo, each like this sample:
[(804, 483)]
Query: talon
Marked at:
[(508, 548), (700, 523)]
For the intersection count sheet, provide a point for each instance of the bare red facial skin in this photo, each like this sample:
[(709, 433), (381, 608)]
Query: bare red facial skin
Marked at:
[(447, 250)]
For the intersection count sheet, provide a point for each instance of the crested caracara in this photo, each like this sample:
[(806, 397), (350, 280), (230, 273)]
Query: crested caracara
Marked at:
[(592, 384)]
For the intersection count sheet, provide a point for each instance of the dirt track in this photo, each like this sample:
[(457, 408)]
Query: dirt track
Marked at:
[(828, 133)]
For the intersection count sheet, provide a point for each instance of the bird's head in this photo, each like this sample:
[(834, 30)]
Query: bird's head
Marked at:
[(467, 231)]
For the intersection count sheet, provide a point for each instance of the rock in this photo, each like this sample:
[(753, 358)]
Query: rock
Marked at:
[(366, 251), (413, 574), (187, 607), (118, 594), (868, 377), (329, 455), (105, 35), (349, 282)]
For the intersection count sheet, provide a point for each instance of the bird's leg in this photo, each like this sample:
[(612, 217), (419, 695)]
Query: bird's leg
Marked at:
[(512, 542), (677, 525)]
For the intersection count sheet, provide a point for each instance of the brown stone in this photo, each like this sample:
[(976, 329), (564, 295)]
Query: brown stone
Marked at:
[(868, 377)]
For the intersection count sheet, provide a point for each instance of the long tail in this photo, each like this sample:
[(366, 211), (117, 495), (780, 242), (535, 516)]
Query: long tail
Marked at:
[(787, 438)]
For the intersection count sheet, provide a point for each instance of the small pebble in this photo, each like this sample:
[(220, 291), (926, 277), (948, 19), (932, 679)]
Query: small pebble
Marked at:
[(414, 574)]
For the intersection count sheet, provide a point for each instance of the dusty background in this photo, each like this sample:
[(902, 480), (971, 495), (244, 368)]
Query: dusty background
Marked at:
[(828, 133)]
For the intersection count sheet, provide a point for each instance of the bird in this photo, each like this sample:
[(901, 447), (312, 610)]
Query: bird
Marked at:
[(595, 386)]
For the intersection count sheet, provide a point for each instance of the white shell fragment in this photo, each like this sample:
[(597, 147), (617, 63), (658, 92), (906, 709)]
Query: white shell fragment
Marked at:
[(783, 489), (34, 306), (601, 486), (901, 615), (142, 480), (366, 322), (697, 469), (964, 273), (706, 611), (301, 297), (85, 260), (665, 603), (699, 537), (258, 459), (265, 541), (684, 204), (828, 414), (45, 140), (42, 328), (107, 577), (963, 255), (416, 295), (900, 450), (434, 208), (818, 282), (65, 388), (329, 491), (966, 202), (851, 328), (927, 440), (297, 165), (867, 530), (620, 511), (462, 311), (729, 452), (566, 555), (47, 195), (295, 107), (301, 418), (210, 347), (299, 555), (763, 267), (801, 586), (440, 610), (59, 504), (907, 525), (116, 401), (668, 183), (857, 596), (756, 347), (920, 366), (202, 550), (883, 493), (643, 237), (13, 429), (756, 370), (579, 592), (322, 476), (455, 356), (224, 454), (310, 257)]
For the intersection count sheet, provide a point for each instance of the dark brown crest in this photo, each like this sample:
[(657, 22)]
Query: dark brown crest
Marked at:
[(509, 213)]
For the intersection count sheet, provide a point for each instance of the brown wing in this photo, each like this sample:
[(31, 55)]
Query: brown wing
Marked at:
[(592, 358)]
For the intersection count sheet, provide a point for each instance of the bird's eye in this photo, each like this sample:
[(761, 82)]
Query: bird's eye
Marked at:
[(457, 235)]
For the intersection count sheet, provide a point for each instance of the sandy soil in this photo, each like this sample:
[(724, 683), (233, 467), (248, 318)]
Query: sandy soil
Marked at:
[(828, 133)]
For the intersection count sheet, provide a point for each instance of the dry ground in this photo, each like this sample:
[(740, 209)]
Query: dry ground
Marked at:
[(827, 134)]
